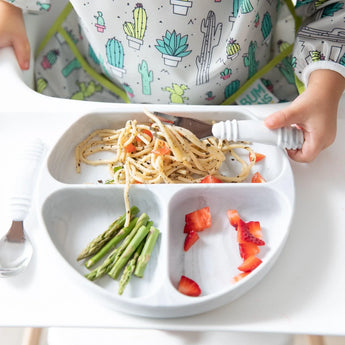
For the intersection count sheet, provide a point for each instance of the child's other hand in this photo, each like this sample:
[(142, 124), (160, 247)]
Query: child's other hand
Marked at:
[(315, 111), (13, 33)]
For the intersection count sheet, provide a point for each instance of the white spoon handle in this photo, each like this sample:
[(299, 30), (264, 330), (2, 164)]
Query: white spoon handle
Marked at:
[(256, 131), (24, 179)]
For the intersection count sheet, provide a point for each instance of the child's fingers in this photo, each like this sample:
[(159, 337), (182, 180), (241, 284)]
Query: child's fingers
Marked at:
[(21, 48), (281, 118)]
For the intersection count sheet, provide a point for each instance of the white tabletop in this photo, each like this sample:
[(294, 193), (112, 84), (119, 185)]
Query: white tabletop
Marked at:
[(302, 293)]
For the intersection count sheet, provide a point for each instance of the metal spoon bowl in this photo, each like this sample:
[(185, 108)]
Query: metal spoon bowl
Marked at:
[(15, 250), (15, 247)]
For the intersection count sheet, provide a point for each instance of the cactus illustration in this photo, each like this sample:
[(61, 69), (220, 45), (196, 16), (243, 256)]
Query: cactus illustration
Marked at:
[(100, 25), (86, 90), (137, 29), (286, 66), (316, 55), (114, 51), (146, 77), (41, 84), (232, 49), (342, 60), (331, 9), (231, 88), (246, 7), (210, 96), (249, 59), (212, 33), (237, 5), (268, 84), (128, 90), (49, 59), (266, 25), (43, 6), (173, 48), (226, 73), (176, 93), (70, 67)]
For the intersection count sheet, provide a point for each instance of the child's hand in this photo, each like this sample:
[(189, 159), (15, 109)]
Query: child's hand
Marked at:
[(315, 111), (13, 33)]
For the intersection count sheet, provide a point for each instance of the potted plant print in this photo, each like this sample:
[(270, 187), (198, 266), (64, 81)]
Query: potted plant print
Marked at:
[(135, 31), (114, 51), (173, 48)]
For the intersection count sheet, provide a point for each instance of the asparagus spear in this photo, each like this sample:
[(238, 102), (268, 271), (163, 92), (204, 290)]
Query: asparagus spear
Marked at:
[(112, 243), (97, 243), (129, 269), (130, 249), (146, 252), (114, 255)]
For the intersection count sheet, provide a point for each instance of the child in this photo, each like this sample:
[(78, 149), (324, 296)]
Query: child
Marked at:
[(214, 52)]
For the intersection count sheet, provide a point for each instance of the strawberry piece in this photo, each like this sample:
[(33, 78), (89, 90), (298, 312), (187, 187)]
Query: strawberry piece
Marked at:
[(198, 220), (188, 287), (257, 178), (258, 156), (190, 239), (243, 234), (239, 276), (210, 179), (250, 264), (233, 217), (254, 228), (248, 249)]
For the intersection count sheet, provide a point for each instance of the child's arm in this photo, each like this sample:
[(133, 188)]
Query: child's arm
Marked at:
[(13, 33), (315, 110), (319, 64)]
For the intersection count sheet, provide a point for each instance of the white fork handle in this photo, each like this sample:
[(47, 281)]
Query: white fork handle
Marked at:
[(256, 131), (24, 179)]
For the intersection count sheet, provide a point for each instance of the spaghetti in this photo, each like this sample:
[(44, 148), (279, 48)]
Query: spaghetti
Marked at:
[(160, 153)]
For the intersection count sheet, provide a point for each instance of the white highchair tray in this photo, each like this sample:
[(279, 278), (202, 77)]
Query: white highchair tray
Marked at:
[(76, 208)]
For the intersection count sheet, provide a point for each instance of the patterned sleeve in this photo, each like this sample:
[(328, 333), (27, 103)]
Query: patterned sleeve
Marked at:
[(31, 5), (320, 42)]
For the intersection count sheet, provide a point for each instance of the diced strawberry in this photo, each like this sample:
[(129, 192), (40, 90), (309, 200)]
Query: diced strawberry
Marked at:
[(254, 228), (243, 234), (258, 156), (233, 217), (188, 287), (257, 178), (239, 276), (190, 239), (250, 264), (248, 249), (210, 179), (198, 220)]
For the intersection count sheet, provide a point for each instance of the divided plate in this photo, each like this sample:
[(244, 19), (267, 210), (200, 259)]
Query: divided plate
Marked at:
[(76, 208)]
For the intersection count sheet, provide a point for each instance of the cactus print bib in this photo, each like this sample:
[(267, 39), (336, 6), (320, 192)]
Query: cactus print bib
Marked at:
[(173, 51)]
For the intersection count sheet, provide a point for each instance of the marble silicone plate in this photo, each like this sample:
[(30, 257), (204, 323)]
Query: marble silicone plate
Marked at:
[(75, 209)]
